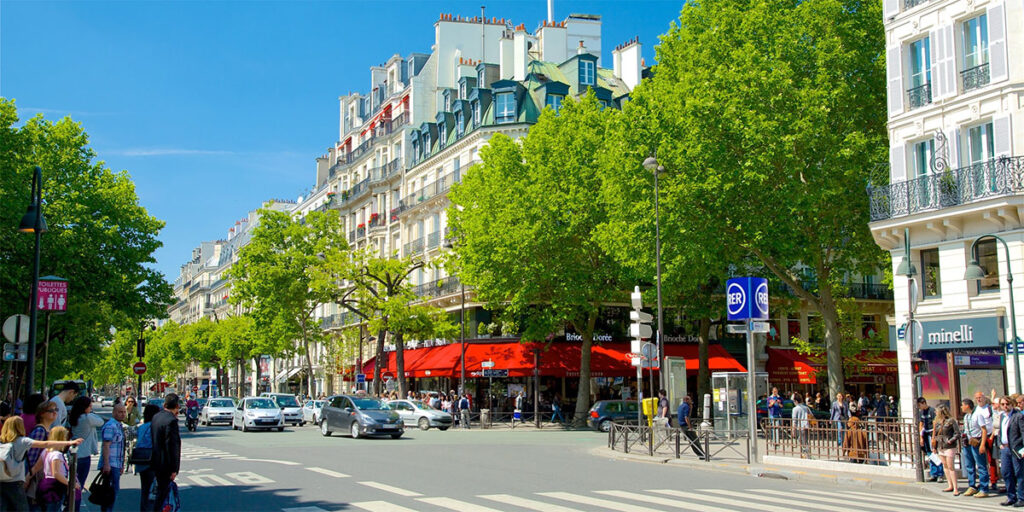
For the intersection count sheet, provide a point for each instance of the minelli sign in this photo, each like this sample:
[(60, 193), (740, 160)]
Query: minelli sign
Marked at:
[(963, 335), (957, 334)]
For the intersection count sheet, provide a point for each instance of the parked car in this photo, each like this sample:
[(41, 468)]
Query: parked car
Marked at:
[(311, 411), (360, 416), (605, 412), (290, 407), (254, 412), (218, 410), (415, 412)]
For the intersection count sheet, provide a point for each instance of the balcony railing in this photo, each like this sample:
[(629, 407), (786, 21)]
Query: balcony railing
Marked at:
[(433, 239), (376, 221), (910, 4), (994, 178), (975, 77), (414, 247), (866, 291), (431, 190), (920, 96), (438, 288)]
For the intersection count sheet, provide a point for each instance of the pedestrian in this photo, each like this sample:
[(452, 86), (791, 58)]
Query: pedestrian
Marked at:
[(556, 410), (55, 471), (1012, 466), (801, 425), (66, 396), (112, 453), (84, 423), (145, 471), (856, 443), (774, 404), (984, 406), (838, 414), (166, 448), (133, 412), (973, 454), (926, 426), (464, 410), (946, 441), (13, 441), (683, 417), (28, 415), (45, 414)]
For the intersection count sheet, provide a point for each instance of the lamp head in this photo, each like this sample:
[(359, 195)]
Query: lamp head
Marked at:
[(28, 221), (650, 163), (906, 268), (974, 271)]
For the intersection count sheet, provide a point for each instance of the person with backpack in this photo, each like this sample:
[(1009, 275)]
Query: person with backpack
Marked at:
[(14, 447), (464, 406), (145, 441), (54, 486)]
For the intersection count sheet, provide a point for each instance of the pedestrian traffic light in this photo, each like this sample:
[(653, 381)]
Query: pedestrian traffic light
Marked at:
[(920, 367), (640, 327)]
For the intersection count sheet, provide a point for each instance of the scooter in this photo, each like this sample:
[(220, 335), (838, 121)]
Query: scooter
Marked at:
[(192, 418)]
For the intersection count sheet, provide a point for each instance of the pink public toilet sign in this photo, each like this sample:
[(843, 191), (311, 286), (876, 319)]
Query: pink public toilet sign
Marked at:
[(53, 294)]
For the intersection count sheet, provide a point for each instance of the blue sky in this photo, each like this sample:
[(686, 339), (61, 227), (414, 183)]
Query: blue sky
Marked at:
[(214, 107)]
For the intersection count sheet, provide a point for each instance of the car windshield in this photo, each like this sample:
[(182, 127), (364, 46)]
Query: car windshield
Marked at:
[(221, 403), (318, 404), (423, 405), (287, 401), (261, 403), (364, 404)]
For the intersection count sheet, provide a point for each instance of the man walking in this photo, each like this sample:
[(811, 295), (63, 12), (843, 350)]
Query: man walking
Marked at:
[(973, 454), (66, 396), (775, 414), (683, 417), (839, 413), (166, 458), (464, 411), (801, 425), (1010, 462), (112, 454), (925, 425)]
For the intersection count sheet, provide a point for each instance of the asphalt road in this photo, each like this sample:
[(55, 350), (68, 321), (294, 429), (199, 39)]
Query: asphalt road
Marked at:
[(298, 470)]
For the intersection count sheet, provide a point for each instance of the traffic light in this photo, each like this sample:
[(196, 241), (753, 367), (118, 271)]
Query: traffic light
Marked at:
[(640, 328), (920, 367)]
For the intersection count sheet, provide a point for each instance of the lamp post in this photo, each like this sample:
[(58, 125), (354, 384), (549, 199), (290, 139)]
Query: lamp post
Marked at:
[(975, 272), (906, 268), (651, 164), (33, 222)]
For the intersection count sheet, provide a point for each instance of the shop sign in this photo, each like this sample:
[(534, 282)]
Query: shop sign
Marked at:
[(967, 333)]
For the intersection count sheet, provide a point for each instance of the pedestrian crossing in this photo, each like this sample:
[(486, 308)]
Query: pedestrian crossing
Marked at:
[(191, 452)]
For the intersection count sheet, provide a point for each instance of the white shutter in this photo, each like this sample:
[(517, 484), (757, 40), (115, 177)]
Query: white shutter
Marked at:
[(997, 43), (894, 65), (953, 143), (1001, 139), (897, 164), (948, 67), (937, 49), (890, 8)]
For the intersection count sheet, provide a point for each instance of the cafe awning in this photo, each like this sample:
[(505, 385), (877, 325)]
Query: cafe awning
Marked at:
[(792, 367)]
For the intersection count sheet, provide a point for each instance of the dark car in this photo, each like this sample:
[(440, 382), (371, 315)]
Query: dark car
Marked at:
[(360, 416), (605, 412)]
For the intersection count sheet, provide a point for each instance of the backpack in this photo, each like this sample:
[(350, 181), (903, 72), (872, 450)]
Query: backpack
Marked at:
[(8, 463)]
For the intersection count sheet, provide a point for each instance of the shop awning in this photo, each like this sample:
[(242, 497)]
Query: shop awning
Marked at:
[(789, 367), (286, 374)]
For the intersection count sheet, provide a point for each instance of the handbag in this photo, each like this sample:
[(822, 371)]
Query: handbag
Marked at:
[(141, 456), (51, 491), (101, 491)]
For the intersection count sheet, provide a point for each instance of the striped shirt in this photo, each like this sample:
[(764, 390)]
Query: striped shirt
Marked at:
[(114, 434)]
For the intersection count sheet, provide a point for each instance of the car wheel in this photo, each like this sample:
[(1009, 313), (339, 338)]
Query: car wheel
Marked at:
[(244, 427), (302, 423), (423, 423), (323, 429), (355, 430), (280, 429), (605, 425), (396, 435), (314, 420), (442, 429)]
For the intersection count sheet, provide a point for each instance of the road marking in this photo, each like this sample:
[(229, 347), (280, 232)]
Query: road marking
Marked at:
[(454, 504), (906, 501), (828, 497), (394, 490), (529, 504), (201, 480), (328, 472), (657, 500), (303, 509), (597, 502), (250, 478), (744, 503), (381, 506)]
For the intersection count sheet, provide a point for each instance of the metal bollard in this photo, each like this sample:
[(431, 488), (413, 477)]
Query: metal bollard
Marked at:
[(72, 477)]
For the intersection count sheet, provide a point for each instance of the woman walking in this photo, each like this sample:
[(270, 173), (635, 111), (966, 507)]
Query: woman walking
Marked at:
[(12, 492), (946, 440), (84, 423), (146, 473)]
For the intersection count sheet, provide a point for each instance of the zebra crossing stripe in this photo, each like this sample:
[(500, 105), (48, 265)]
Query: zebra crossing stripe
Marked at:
[(831, 497), (745, 502), (327, 472), (914, 501), (597, 502), (392, 489), (209, 480), (665, 502), (526, 503), (380, 506), (453, 504)]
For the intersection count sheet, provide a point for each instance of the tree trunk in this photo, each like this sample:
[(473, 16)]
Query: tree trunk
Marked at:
[(583, 394), (378, 365), (703, 371), (403, 389), (255, 376), (309, 368), (832, 342)]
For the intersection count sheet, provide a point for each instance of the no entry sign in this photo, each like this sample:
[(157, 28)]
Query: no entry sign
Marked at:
[(139, 368)]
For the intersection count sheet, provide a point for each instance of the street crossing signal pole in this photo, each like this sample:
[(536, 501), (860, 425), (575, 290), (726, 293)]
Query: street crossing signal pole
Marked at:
[(906, 268), (640, 329)]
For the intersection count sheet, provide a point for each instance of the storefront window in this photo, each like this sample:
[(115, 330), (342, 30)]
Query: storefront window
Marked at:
[(989, 260), (931, 278)]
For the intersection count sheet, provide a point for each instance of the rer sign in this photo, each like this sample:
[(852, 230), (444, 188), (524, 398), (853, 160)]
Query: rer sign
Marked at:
[(746, 298)]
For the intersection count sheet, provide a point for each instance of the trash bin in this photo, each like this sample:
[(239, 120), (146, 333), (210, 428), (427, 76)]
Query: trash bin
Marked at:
[(485, 418)]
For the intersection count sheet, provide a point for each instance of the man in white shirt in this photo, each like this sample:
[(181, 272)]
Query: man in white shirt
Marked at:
[(66, 396), (974, 454)]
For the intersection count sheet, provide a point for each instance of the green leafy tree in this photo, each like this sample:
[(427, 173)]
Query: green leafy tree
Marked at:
[(853, 341), (279, 277), (769, 116), (236, 346), (100, 239), (526, 225)]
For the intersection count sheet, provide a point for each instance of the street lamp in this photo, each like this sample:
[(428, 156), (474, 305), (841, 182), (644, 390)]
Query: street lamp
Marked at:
[(975, 272), (33, 222), (651, 164), (906, 268)]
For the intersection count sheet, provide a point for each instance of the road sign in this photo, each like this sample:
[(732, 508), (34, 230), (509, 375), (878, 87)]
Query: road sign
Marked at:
[(11, 356), (915, 297), (487, 364), (759, 326), (746, 298), (12, 328), (360, 378), (20, 348), (736, 328), (649, 355), (53, 294), (139, 368), (491, 372), (640, 327)]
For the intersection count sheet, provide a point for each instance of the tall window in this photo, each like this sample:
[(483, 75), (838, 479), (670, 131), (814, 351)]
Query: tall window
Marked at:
[(924, 151), (442, 134), (587, 72), (554, 101), (480, 78), (506, 107), (457, 166), (462, 90), (460, 124), (476, 113), (426, 143), (975, 38), (988, 258), (980, 146), (920, 73), (931, 278)]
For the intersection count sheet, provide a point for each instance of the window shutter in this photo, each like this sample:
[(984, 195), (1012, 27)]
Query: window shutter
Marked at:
[(890, 8), (949, 69), (897, 164), (997, 43), (953, 145), (937, 50), (1001, 140), (894, 64)]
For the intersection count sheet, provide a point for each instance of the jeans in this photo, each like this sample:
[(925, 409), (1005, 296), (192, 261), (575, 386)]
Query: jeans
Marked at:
[(839, 429), (81, 473), (556, 412), (1013, 473), (976, 465), (775, 424), (146, 477), (12, 496), (115, 482)]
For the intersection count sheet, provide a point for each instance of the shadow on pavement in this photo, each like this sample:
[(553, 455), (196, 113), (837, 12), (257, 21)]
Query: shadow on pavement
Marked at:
[(229, 499)]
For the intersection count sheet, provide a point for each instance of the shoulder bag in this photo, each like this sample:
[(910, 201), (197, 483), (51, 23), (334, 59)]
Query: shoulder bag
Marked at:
[(101, 491)]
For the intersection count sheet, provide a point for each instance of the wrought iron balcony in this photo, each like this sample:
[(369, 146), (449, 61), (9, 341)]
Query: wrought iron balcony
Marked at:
[(920, 96), (433, 189), (910, 4), (975, 77), (433, 239), (414, 247), (376, 221), (360, 231), (866, 291), (994, 178), (440, 288)]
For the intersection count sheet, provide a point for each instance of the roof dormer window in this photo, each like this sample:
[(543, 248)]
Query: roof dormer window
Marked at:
[(588, 74)]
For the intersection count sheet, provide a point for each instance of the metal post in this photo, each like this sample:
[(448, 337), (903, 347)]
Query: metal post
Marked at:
[(536, 386), (657, 259), (639, 395), (751, 397), (72, 477), (918, 463), (30, 374), (46, 350), (462, 336)]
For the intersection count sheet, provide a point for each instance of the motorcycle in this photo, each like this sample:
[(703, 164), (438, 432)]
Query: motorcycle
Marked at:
[(192, 418)]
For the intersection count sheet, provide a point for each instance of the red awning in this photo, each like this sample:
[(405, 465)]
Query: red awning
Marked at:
[(789, 367)]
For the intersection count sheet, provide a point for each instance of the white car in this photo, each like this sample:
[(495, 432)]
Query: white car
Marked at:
[(290, 407), (107, 401), (311, 411), (217, 410), (415, 412), (254, 412)]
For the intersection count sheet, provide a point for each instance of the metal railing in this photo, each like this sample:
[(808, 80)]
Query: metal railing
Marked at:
[(975, 77), (870, 291), (920, 96), (431, 190), (703, 444), (433, 239), (909, 4), (439, 288), (1003, 176), (414, 247), (376, 220), (879, 441)]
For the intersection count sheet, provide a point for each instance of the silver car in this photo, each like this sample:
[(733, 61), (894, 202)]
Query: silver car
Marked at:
[(415, 412), (311, 411), (290, 407), (217, 410), (255, 412)]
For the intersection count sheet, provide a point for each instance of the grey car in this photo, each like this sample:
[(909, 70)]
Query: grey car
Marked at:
[(257, 413), (360, 417), (415, 412), (217, 410)]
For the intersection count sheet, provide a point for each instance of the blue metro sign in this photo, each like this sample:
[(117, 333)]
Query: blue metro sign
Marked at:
[(746, 298)]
